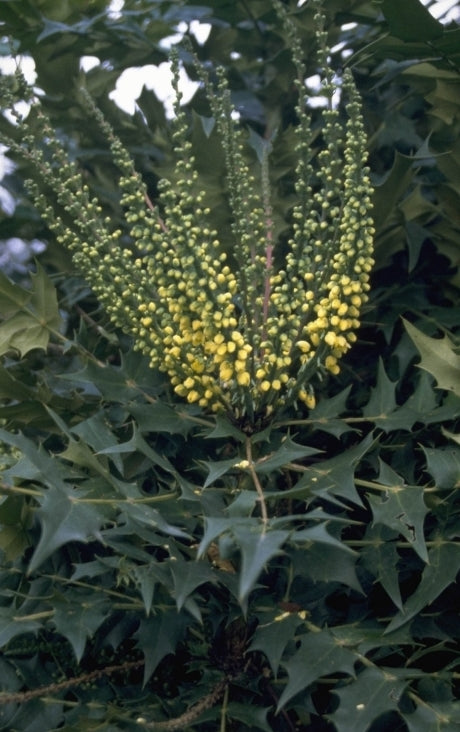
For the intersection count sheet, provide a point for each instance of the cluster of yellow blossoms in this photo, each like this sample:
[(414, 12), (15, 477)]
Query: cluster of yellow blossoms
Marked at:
[(235, 331)]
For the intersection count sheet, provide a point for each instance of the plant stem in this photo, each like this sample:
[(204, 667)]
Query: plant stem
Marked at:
[(256, 481)]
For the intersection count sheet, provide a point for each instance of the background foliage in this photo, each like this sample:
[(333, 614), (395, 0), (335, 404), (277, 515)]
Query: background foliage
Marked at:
[(136, 582)]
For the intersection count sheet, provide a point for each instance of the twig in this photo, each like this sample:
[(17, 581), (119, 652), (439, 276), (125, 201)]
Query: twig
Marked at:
[(256, 481), (188, 717), (25, 696)]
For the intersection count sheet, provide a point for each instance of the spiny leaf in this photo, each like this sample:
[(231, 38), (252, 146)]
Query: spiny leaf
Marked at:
[(188, 576), (77, 618), (218, 468), (160, 417), (157, 636), (327, 564), (257, 548), (444, 564), (381, 558), (320, 654), (439, 358), (431, 716), (272, 637), (214, 527), (443, 464), (402, 508), (117, 383), (28, 318), (62, 520), (366, 698), (11, 625), (382, 400), (250, 716), (286, 453), (325, 415), (334, 478), (35, 463), (319, 535), (224, 428)]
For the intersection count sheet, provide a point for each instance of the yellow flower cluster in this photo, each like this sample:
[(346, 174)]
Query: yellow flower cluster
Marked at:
[(247, 339), (232, 331)]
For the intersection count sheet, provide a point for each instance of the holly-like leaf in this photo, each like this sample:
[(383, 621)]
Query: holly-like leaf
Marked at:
[(374, 692), (158, 635), (440, 572), (333, 478), (325, 416), (250, 716), (257, 547), (160, 417), (320, 654), (439, 358), (188, 576), (27, 317), (381, 558), (286, 453), (117, 383), (328, 564), (443, 464), (431, 716), (35, 463), (382, 400), (218, 468), (403, 509), (77, 618), (272, 637), (63, 519), (12, 625)]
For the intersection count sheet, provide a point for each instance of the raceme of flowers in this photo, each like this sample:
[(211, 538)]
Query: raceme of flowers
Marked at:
[(234, 331)]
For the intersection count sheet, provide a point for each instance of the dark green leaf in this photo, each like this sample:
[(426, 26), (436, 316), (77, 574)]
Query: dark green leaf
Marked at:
[(440, 572), (403, 509), (332, 478), (286, 453), (158, 636), (28, 318), (257, 547), (411, 21), (374, 692), (443, 464), (77, 618), (439, 358), (188, 576), (63, 519), (12, 625), (319, 655), (272, 637), (381, 558)]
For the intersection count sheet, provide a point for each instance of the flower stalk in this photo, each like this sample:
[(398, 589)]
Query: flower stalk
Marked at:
[(233, 332)]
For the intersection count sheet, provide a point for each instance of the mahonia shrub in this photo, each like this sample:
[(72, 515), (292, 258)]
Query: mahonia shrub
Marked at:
[(183, 545), (243, 332)]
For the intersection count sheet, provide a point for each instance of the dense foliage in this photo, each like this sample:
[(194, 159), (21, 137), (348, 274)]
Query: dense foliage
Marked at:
[(167, 567)]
